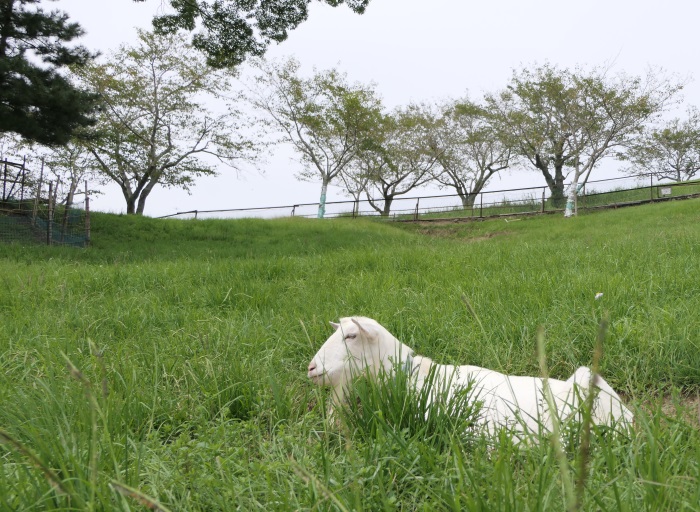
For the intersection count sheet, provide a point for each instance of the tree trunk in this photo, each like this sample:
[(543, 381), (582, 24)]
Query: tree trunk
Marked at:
[(556, 183), (141, 204), (558, 188), (130, 205), (145, 193), (387, 206), (468, 199), (322, 201)]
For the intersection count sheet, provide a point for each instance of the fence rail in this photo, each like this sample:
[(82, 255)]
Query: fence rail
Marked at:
[(517, 201)]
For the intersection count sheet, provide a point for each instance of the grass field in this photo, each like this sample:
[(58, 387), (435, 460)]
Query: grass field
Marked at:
[(165, 366)]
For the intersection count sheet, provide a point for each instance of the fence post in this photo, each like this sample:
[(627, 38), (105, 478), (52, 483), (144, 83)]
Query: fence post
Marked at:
[(481, 207), (38, 193), (544, 190), (87, 215), (294, 207), (49, 215), (24, 174), (417, 205), (196, 212), (651, 186)]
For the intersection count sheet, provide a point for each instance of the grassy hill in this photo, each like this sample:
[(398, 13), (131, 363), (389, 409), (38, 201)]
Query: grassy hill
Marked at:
[(170, 357)]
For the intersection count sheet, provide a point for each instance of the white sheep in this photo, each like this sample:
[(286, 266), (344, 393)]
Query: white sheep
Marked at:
[(362, 345)]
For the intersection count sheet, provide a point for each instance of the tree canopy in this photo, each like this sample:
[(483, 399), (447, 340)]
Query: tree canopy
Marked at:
[(468, 149), (393, 159), (527, 115), (154, 126), (325, 118), (671, 151), (566, 121), (36, 100), (231, 30), (608, 113)]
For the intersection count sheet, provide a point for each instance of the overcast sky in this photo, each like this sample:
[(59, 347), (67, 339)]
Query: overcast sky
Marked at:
[(419, 50)]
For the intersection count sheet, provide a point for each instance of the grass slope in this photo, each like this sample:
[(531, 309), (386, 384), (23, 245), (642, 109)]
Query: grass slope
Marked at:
[(170, 358)]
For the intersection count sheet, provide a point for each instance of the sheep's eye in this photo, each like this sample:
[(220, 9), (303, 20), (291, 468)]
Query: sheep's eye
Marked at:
[(350, 336)]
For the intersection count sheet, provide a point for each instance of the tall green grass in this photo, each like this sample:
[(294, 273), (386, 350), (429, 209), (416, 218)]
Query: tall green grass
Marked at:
[(165, 365)]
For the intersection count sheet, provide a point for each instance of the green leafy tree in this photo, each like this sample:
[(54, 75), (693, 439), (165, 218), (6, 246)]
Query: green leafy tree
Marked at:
[(72, 165), (394, 159), (231, 30), (67, 166), (670, 152), (12, 147), (154, 127), (325, 118), (569, 120), (527, 116), (606, 113), (468, 149), (36, 100)]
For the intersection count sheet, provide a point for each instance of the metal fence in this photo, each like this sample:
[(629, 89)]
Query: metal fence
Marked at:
[(614, 192), (36, 211)]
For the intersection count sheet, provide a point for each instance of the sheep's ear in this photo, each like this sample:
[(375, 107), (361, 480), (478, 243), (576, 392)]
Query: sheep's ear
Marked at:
[(335, 326), (367, 331)]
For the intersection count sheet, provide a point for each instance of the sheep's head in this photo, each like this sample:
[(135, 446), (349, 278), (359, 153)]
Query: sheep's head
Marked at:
[(358, 345)]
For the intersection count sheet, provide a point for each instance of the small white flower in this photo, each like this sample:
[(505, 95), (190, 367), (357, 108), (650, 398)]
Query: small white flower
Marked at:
[(598, 295)]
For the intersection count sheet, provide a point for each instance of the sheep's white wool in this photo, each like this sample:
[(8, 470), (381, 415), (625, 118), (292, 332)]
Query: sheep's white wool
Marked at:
[(362, 345)]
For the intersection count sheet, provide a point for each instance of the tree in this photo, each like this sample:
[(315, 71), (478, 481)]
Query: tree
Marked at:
[(605, 113), (72, 165), (671, 152), (36, 100), (67, 166), (12, 146), (556, 118), (394, 159), (526, 115), (468, 149), (231, 30), (325, 118), (153, 126)]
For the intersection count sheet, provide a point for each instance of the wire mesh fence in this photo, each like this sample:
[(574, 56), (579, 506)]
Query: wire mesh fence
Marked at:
[(521, 201), (36, 211)]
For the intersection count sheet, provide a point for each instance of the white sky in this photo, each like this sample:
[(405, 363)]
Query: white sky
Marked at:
[(416, 50)]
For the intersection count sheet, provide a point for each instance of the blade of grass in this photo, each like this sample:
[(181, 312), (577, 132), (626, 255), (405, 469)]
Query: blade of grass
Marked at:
[(555, 436)]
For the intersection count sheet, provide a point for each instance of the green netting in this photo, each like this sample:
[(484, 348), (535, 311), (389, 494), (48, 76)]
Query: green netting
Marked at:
[(33, 212), (27, 222)]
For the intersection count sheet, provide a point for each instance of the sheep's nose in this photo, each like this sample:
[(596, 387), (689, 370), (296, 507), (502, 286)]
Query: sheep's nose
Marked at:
[(312, 366)]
